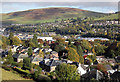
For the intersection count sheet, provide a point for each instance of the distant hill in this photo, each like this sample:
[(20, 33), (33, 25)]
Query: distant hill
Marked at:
[(47, 15)]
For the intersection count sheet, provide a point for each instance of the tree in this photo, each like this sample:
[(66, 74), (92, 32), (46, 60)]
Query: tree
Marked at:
[(4, 42), (38, 72), (31, 44), (99, 49), (79, 50), (80, 53), (34, 40), (86, 45), (11, 38), (30, 52), (1, 44), (16, 41), (26, 63), (59, 48), (67, 72), (73, 55), (9, 57), (41, 54)]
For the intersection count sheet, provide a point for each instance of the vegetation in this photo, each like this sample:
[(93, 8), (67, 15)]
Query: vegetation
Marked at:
[(67, 72), (73, 55), (9, 58), (26, 63), (30, 52), (8, 75)]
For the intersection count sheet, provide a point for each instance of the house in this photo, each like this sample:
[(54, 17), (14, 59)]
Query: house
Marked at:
[(111, 61), (36, 59), (51, 56), (49, 65), (86, 54), (45, 38), (19, 57), (54, 53), (47, 50), (96, 74), (109, 70), (51, 33), (14, 48), (101, 59), (80, 68)]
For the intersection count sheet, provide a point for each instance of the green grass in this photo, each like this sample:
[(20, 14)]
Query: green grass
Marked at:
[(9, 75), (113, 16)]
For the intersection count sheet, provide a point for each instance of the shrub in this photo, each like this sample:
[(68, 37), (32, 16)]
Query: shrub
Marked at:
[(22, 71), (14, 64), (6, 68), (43, 78)]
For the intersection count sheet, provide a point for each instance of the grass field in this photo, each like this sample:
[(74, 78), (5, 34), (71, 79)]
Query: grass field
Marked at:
[(8, 75)]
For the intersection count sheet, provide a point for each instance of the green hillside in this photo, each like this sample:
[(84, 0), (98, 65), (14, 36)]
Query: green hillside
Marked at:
[(109, 17), (47, 15)]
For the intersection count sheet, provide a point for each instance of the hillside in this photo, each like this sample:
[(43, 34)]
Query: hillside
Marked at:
[(47, 15), (109, 17)]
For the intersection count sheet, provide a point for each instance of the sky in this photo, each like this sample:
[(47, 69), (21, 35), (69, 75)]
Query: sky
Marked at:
[(8, 6)]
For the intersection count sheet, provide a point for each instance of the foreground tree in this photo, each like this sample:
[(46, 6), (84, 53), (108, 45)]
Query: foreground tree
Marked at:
[(26, 63), (9, 57), (67, 72), (37, 73)]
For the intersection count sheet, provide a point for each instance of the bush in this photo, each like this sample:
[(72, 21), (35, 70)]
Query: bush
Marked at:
[(22, 71), (43, 78), (7, 68), (14, 64), (20, 64), (26, 73)]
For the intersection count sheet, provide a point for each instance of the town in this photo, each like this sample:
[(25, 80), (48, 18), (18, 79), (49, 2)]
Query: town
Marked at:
[(52, 57), (60, 42)]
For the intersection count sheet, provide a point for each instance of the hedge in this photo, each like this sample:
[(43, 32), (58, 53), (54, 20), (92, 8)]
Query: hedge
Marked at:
[(22, 71)]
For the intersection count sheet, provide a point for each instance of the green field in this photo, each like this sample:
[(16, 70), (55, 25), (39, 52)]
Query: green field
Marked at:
[(8, 75)]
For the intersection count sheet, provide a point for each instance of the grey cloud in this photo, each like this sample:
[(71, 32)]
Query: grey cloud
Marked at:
[(11, 5), (59, 0)]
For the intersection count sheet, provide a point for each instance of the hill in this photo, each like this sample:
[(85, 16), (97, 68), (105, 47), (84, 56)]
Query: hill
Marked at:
[(47, 15)]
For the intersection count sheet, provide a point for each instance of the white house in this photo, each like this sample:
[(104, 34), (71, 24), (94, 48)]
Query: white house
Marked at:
[(45, 38), (14, 48), (81, 69)]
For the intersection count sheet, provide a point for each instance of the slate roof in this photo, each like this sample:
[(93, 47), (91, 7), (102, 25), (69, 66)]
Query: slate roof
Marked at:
[(53, 62), (35, 59), (82, 65), (92, 74), (20, 55), (108, 67), (53, 52)]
